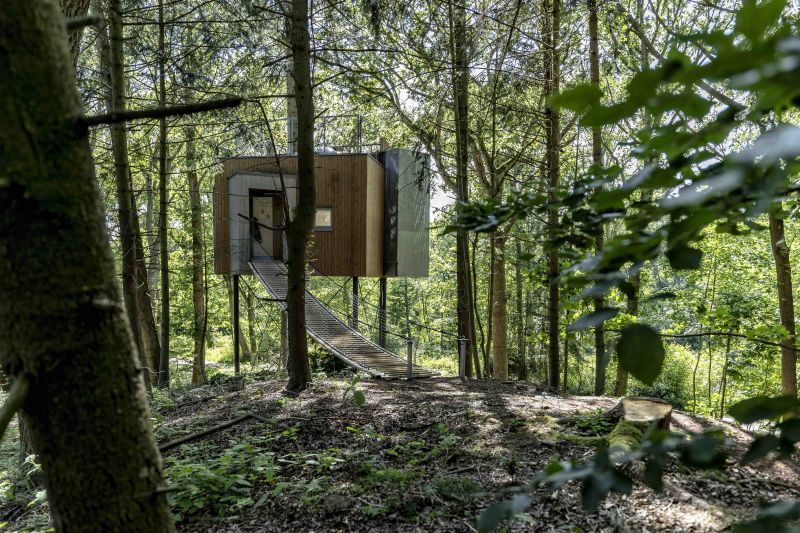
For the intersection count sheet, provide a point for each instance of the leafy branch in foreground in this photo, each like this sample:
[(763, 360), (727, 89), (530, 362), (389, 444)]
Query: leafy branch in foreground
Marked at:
[(702, 182), (606, 474)]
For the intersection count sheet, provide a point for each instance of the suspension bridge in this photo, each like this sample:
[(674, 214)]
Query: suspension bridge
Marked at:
[(333, 334)]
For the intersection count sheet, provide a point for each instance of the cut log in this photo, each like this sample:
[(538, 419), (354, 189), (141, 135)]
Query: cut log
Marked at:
[(637, 415), (646, 411)]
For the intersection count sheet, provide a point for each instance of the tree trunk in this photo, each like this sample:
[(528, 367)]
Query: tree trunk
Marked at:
[(552, 18), (61, 337), (783, 270), (74, 9), (500, 309), (242, 339), (484, 356), (298, 230), (119, 143), (198, 278), (251, 326), (724, 384), (153, 249), (621, 383), (163, 202), (597, 160), (460, 80), (522, 367)]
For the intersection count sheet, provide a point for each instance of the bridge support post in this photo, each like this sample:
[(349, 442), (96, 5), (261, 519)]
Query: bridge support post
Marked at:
[(410, 349), (236, 330), (382, 314), (462, 357), (354, 322)]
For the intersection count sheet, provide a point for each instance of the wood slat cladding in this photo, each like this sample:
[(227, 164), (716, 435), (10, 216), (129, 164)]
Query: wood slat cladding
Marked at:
[(350, 184)]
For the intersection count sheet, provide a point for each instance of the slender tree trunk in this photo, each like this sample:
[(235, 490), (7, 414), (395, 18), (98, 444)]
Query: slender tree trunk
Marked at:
[(460, 77), (489, 370), (713, 277), (119, 143), (198, 277), (154, 251), (566, 366), (522, 368), (298, 230), (500, 309), (476, 315), (552, 17), (59, 337), (632, 307), (163, 201), (243, 346), (724, 385), (783, 269), (597, 160), (251, 326)]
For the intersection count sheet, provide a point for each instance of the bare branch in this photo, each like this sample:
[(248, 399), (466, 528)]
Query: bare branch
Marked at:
[(115, 117)]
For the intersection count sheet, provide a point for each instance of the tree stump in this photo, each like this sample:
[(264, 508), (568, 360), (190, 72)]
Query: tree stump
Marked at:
[(635, 416)]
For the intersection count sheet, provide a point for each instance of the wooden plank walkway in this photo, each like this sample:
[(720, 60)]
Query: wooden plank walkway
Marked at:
[(334, 335)]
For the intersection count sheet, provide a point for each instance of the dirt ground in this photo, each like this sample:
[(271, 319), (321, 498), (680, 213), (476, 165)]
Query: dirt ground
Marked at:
[(430, 455)]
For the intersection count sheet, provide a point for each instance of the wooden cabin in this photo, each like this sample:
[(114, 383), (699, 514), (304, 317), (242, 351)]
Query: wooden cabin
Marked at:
[(372, 217)]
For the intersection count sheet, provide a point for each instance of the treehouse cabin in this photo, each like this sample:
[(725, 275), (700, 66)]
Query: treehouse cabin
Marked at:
[(372, 214)]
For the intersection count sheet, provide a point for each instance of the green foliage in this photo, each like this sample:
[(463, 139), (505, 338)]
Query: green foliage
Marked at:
[(772, 517), (353, 393), (673, 384), (641, 352), (223, 484)]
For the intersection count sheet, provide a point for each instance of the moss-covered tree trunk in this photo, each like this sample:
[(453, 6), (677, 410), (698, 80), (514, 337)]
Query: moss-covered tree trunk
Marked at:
[(62, 326)]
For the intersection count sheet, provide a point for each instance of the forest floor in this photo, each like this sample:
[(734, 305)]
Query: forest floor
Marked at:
[(428, 455)]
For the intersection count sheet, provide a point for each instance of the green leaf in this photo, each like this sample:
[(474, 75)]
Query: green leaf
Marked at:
[(764, 408), (577, 98), (641, 352), (496, 513), (754, 19), (594, 319), (760, 447), (684, 258), (358, 397)]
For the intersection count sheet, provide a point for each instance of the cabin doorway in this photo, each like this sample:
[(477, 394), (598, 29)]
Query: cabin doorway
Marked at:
[(266, 209)]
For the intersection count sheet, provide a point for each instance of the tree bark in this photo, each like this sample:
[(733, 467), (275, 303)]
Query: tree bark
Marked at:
[(251, 326), (299, 229), (500, 309), (198, 277), (242, 339), (597, 161), (119, 143), (783, 270), (522, 366), (102, 469), (163, 201), (112, 67), (460, 80), (74, 9), (552, 17)]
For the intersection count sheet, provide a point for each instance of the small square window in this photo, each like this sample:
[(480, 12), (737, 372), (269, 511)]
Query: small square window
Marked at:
[(323, 219)]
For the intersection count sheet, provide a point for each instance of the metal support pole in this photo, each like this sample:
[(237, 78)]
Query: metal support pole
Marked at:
[(236, 331), (462, 357), (354, 324), (410, 347), (382, 314)]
